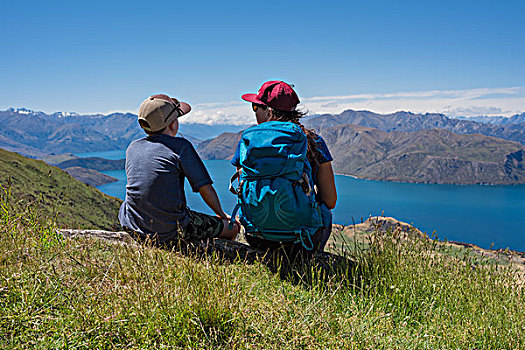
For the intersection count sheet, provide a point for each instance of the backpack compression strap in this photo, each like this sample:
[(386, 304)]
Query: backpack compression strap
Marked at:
[(309, 238), (234, 213), (232, 179), (236, 192), (277, 236)]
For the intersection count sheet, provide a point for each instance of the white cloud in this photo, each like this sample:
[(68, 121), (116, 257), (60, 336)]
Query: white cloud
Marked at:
[(473, 111), (473, 102), (237, 113)]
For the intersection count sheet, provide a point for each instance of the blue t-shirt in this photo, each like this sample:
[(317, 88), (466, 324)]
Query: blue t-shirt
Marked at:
[(155, 200), (326, 213)]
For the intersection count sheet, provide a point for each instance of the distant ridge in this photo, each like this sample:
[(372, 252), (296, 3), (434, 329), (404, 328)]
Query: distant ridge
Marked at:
[(94, 163), (221, 147), (89, 176), (424, 156), (34, 133)]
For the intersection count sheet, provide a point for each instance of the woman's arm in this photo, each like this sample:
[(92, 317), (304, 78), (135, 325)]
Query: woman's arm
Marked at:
[(326, 185)]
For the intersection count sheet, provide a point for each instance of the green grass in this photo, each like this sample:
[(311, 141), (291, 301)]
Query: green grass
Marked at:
[(354, 238), (85, 293)]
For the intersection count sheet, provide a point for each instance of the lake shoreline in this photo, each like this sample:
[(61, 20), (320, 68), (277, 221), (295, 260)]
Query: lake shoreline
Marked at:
[(481, 215), (431, 183)]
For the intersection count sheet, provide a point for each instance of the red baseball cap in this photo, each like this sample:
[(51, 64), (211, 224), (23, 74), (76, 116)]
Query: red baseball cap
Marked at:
[(275, 94)]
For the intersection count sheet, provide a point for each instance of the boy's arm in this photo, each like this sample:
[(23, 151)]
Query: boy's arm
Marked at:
[(210, 197)]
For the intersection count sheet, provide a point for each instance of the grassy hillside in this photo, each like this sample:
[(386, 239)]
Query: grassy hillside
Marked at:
[(54, 193), (402, 294)]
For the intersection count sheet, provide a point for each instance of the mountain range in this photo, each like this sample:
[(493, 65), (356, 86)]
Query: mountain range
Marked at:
[(37, 134), (401, 146), (513, 130), (407, 147), (515, 119), (425, 156)]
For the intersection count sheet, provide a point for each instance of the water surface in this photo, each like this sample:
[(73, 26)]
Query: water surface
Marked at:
[(478, 214), (118, 154)]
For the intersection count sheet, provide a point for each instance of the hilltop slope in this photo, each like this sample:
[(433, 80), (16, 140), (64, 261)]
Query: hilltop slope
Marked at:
[(55, 192), (399, 293)]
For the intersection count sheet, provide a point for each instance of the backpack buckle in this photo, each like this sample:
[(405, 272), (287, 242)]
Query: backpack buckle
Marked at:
[(305, 184), (232, 189)]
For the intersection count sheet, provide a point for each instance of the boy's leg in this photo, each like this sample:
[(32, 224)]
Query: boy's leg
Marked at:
[(230, 234), (203, 226)]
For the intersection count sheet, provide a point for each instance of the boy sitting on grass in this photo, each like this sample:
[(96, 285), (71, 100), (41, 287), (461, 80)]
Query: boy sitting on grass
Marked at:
[(156, 165)]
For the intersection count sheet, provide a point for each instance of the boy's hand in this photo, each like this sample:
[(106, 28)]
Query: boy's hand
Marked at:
[(225, 216)]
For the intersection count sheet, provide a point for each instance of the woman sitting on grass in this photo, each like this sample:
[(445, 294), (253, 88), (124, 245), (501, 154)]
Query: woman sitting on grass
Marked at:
[(276, 102)]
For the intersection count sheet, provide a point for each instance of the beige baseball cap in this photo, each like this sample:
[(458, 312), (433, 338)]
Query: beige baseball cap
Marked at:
[(158, 111)]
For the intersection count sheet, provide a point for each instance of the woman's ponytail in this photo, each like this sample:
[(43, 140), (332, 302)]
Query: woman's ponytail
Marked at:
[(313, 154)]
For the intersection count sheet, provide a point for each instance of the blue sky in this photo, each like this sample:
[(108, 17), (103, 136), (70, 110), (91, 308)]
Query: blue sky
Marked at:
[(108, 56)]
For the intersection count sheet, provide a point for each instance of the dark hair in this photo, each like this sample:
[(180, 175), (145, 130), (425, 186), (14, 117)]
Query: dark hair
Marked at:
[(144, 124), (313, 154), (158, 132)]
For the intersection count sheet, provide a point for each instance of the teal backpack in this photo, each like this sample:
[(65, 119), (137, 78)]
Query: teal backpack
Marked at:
[(276, 198)]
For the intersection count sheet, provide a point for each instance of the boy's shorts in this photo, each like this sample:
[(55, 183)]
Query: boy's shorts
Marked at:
[(202, 226)]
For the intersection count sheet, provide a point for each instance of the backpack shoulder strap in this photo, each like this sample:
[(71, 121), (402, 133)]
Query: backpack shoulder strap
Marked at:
[(232, 180)]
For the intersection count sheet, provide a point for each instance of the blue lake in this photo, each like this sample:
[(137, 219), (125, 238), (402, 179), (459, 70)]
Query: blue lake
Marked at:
[(118, 154), (482, 215)]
